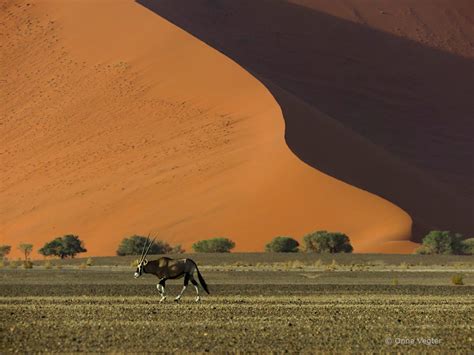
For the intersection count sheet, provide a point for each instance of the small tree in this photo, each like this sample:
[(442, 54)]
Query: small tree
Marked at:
[(134, 246), (26, 249), (442, 242), (214, 245), (282, 245), (327, 242), (468, 246), (5, 250), (63, 247)]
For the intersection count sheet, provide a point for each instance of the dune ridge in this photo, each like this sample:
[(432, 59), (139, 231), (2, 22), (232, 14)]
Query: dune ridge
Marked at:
[(394, 77), (117, 128)]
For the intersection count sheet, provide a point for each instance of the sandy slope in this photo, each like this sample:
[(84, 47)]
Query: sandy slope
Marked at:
[(115, 121), (399, 74)]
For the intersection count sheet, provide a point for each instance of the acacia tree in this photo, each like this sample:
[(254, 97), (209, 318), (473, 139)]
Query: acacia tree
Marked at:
[(26, 249), (214, 245), (327, 242), (63, 247), (282, 245)]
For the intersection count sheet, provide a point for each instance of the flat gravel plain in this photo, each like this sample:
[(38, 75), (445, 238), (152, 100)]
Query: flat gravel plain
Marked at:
[(109, 311)]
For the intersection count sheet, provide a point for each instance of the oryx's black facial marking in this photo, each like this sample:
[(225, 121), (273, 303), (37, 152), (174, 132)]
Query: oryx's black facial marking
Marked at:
[(167, 268)]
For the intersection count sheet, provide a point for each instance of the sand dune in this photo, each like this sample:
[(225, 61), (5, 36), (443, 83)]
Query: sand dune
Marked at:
[(398, 74), (115, 121)]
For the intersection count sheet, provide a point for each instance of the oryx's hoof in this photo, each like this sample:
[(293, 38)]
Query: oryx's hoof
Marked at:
[(162, 299), (198, 299), (177, 299)]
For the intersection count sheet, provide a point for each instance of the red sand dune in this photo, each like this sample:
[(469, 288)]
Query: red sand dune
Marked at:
[(397, 73), (118, 122)]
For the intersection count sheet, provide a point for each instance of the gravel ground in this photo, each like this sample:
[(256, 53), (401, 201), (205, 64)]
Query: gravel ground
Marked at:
[(250, 311)]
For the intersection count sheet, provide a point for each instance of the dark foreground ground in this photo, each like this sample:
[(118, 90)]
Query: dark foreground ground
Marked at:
[(301, 308)]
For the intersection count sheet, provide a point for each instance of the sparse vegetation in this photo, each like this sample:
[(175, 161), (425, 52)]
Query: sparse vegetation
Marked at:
[(442, 242), (63, 247), (327, 242), (47, 264), (134, 245), (214, 245), (89, 262), (282, 245)]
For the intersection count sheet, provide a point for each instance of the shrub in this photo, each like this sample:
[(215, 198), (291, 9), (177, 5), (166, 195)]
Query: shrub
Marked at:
[(282, 245), (214, 245), (13, 264), (27, 264), (4, 250), (177, 249), (457, 280), (134, 246), (327, 242), (468, 246), (89, 262), (442, 242), (47, 264), (63, 247), (82, 266)]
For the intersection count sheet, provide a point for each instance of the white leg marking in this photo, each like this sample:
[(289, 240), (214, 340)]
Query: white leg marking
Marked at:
[(197, 294), (161, 289), (180, 294)]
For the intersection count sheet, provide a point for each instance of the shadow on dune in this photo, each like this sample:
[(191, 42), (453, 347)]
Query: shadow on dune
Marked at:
[(409, 105)]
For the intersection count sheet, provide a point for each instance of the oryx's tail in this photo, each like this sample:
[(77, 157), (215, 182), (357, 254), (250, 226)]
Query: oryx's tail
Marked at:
[(201, 279)]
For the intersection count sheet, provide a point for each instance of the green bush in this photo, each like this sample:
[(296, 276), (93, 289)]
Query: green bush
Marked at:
[(214, 245), (468, 246), (282, 245), (327, 242), (134, 246), (66, 246), (442, 242)]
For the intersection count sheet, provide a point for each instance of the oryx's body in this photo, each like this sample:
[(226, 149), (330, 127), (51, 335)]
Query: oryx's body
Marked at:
[(167, 268)]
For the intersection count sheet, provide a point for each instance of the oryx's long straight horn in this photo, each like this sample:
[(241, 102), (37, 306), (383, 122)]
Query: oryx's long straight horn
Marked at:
[(149, 245), (144, 246)]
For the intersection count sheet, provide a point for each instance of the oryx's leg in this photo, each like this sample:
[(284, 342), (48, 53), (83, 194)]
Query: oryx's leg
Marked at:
[(186, 281), (194, 282), (161, 289)]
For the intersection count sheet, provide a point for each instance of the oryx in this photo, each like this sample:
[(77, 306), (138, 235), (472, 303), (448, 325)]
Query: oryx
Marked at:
[(166, 268)]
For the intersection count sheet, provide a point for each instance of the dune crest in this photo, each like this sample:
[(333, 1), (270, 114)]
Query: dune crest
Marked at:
[(127, 124)]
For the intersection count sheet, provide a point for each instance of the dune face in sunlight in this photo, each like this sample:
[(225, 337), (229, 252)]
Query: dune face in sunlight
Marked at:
[(123, 123), (386, 84)]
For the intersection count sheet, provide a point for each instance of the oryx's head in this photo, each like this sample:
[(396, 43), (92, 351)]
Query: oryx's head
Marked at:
[(143, 261)]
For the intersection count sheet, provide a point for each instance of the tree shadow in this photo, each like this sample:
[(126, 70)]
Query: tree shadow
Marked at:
[(410, 105)]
